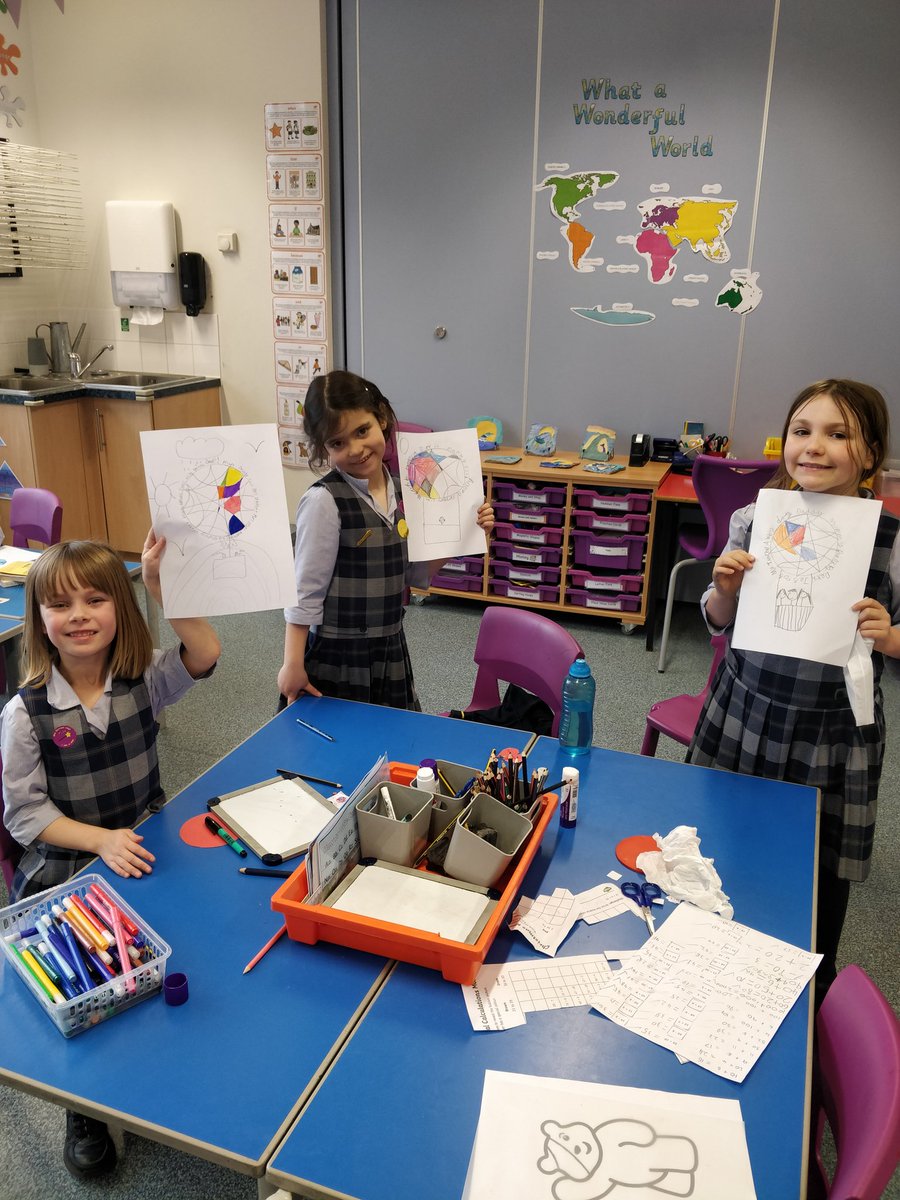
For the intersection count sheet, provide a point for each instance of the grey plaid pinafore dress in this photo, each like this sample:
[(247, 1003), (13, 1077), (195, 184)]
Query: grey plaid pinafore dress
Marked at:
[(359, 650), (790, 719), (108, 781)]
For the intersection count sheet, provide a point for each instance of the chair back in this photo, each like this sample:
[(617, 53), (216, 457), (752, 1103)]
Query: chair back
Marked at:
[(35, 515), (10, 850), (390, 446), (677, 717), (857, 1087), (723, 485), (518, 645)]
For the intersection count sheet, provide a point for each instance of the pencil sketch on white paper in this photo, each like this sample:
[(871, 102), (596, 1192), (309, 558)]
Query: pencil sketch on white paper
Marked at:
[(217, 496), (440, 478), (800, 548)]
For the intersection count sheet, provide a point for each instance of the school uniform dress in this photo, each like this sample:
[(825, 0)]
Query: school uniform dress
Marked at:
[(790, 719), (96, 765), (352, 572)]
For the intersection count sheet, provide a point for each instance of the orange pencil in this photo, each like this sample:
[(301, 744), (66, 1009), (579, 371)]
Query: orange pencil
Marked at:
[(265, 950)]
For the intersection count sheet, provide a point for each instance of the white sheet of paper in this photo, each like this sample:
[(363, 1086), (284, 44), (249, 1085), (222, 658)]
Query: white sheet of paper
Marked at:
[(547, 921), (416, 899), (711, 990), (504, 992), (529, 1129), (440, 476), (812, 559), (280, 816), (217, 496)]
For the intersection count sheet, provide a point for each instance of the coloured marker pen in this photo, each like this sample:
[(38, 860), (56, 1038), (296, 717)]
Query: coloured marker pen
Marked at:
[(226, 837), (105, 900)]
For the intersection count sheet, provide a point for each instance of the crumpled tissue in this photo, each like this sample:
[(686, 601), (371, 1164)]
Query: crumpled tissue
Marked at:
[(683, 873)]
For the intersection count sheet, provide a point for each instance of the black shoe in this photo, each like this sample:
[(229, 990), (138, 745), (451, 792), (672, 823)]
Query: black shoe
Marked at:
[(89, 1150)]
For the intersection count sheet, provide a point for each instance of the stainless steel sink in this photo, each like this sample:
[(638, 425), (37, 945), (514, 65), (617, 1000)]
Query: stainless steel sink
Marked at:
[(135, 379), (34, 383)]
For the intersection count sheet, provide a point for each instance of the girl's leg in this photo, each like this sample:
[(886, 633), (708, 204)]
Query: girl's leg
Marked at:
[(834, 893)]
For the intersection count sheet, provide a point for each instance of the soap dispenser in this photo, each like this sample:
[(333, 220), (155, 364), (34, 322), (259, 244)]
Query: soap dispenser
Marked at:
[(192, 270)]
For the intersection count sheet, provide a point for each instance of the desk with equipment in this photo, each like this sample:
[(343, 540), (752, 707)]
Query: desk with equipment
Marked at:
[(396, 1117), (223, 1075)]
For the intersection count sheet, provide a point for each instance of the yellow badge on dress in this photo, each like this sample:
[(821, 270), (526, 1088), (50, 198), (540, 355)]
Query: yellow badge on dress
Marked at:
[(402, 527)]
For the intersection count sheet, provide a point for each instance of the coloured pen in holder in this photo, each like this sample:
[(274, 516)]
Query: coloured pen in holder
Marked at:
[(505, 777), (83, 952)]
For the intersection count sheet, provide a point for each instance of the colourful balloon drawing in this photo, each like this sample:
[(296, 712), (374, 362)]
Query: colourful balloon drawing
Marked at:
[(230, 497), (791, 537), (436, 476)]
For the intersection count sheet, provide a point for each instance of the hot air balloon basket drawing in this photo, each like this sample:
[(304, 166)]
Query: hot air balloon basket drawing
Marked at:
[(438, 477), (800, 548)]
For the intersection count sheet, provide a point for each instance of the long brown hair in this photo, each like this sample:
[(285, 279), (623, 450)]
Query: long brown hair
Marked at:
[(862, 406), (90, 565)]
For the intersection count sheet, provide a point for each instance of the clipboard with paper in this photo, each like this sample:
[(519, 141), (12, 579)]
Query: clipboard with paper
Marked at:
[(277, 818)]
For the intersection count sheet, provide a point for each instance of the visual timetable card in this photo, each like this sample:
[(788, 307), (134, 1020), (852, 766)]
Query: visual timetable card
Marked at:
[(300, 320), (297, 226), (294, 177), (299, 364), (298, 272), (294, 126)]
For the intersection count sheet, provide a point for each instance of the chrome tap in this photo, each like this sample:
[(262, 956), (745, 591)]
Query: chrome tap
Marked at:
[(75, 361)]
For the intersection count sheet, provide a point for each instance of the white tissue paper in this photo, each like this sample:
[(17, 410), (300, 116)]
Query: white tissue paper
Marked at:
[(860, 680), (147, 316), (683, 873)]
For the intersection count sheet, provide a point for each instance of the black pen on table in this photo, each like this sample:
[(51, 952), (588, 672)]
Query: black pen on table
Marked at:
[(275, 874), (285, 774)]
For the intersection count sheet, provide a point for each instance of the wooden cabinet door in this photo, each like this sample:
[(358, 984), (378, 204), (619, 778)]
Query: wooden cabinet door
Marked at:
[(119, 424)]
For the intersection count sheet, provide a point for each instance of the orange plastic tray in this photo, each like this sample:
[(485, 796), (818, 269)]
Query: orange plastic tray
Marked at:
[(457, 961)]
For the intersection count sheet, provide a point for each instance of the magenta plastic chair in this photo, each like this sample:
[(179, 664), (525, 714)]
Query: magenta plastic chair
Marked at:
[(518, 645), (35, 515), (390, 447), (856, 1088), (723, 485), (10, 850), (677, 717)]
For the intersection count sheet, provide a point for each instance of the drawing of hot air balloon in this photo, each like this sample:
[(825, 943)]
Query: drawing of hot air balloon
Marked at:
[(438, 477), (801, 547)]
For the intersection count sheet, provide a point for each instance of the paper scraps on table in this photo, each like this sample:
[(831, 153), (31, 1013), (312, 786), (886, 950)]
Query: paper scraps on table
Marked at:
[(504, 992), (547, 921)]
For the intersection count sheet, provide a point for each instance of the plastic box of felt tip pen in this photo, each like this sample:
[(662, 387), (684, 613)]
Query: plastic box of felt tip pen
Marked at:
[(105, 1000), (458, 962)]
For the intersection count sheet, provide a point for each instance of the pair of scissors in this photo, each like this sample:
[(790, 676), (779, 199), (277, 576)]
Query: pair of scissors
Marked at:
[(643, 895)]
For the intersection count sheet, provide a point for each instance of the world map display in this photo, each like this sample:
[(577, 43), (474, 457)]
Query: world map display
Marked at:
[(667, 224)]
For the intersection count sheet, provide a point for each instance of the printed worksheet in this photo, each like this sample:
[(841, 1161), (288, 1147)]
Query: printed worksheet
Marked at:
[(565, 1139), (504, 992), (217, 496), (440, 478), (712, 991), (812, 559)]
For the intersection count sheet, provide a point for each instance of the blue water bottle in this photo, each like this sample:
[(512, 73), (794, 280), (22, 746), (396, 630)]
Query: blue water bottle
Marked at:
[(576, 726)]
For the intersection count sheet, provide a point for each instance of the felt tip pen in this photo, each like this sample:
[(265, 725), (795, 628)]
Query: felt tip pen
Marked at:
[(312, 729), (226, 837), (388, 806), (270, 871)]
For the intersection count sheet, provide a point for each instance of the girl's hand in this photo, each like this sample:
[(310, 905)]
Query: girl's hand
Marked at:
[(123, 853), (728, 572), (151, 556), (485, 517), (293, 682), (874, 623)]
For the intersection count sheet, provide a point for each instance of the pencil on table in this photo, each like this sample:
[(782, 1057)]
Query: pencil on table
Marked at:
[(265, 950)]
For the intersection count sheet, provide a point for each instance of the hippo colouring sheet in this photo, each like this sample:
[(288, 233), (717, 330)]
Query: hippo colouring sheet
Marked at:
[(561, 1139)]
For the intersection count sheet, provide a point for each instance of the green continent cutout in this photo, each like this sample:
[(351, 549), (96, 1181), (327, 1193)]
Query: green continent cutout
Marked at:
[(568, 191)]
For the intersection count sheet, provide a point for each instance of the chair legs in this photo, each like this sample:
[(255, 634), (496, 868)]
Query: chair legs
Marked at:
[(651, 739), (670, 604)]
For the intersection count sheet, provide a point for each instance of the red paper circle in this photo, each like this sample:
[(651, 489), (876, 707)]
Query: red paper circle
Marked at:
[(196, 832), (629, 848)]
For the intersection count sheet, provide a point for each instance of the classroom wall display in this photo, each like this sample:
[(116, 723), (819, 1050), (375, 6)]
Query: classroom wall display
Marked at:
[(297, 262), (612, 227)]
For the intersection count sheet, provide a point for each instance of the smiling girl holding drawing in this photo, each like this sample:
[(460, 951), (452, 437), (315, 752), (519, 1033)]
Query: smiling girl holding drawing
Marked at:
[(790, 718), (351, 558)]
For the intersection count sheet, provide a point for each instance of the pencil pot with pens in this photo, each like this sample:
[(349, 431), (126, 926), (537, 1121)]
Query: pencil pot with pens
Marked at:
[(393, 822), (72, 964)]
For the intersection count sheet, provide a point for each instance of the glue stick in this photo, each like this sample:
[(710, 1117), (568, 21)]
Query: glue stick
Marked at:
[(568, 805)]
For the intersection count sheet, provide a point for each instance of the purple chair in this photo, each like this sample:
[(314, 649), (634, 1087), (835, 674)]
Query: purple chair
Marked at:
[(10, 850), (35, 515), (390, 447), (677, 717), (518, 645), (723, 485), (856, 1088)]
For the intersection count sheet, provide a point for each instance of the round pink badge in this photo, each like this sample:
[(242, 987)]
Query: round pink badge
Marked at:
[(64, 736)]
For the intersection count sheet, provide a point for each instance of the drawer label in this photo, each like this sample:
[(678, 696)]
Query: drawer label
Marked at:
[(529, 497), (614, 604), (521, 535), (610, 504), (613, 523), (522, 556), (520, 593), (609, 551), (611, 585), (535, 518), (526, 576)]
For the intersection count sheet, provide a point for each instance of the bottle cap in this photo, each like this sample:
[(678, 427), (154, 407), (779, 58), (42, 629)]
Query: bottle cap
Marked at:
[(429, 762), (175, 988), (425, 775), (579, 667), (570, 774)]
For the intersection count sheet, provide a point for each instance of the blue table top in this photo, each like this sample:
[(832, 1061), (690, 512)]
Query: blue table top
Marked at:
[(224, 1073), (397, 1115)]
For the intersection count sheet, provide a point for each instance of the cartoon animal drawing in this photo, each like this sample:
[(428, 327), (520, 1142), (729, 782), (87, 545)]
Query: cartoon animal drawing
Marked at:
[(591, 1163)]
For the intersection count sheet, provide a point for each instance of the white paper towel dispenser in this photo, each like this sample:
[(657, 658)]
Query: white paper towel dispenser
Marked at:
[(142, 254)]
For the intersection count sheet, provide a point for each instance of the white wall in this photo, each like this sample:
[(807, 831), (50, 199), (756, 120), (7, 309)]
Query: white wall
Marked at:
[(165, 101)]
